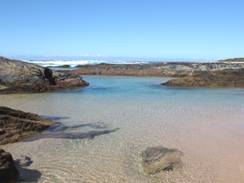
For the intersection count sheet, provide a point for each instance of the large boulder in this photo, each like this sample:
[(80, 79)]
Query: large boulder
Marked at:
[(8, 171), (16, 125), (156, 159), (21, 77)]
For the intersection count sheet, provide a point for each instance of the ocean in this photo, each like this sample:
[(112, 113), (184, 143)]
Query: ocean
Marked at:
[(74, 63)]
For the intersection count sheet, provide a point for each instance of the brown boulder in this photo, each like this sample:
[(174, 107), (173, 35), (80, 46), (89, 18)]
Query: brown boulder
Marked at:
[(21, 77), (16, 125)]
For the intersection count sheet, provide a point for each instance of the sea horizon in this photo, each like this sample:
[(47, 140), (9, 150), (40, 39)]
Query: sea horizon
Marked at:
[(76, 61)]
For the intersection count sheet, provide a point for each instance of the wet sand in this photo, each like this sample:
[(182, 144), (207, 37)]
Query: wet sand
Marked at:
[(205, 124)]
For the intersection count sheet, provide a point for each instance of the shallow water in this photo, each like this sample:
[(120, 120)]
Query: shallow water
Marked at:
[(207, 125)]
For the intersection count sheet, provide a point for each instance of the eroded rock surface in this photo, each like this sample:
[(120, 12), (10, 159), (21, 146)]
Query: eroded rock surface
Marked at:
[(231, 78), (156, 159), (16, 125), (170, 69), (21, 77)]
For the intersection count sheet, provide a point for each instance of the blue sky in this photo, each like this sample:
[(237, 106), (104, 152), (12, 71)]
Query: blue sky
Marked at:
[(171, 29)]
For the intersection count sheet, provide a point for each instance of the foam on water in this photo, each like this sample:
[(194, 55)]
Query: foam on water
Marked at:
[(205, 124), (74, 63)]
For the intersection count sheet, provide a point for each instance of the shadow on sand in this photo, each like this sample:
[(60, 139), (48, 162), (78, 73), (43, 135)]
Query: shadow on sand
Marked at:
[(60, 131), (80, 131), (25, 174), (28, 175)]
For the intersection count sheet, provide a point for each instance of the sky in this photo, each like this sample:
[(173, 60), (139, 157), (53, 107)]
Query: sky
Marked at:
[(169, 29)]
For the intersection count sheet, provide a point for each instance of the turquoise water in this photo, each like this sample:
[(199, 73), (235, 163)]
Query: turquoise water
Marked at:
[(144, 88), (207, 125), (148, 89)]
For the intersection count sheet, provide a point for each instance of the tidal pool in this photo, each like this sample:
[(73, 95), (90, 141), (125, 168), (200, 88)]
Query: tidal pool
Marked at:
[(207, 125)]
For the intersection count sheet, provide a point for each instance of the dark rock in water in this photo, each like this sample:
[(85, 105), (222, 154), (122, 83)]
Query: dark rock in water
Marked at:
[(65, 66), (24, 161), (8, 171), (2, 131), (156, 159), (16, 125), (21, 77), (48, 73), (14, 171)]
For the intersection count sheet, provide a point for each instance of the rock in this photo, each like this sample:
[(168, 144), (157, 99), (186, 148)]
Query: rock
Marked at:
[(231, 78), (21, 77), (2, 131), (156, 159), (48, 74), (165, 69), (16, 125), (24, 161), (8, 171)]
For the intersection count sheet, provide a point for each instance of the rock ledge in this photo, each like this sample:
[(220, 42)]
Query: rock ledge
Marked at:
[(16, 125)]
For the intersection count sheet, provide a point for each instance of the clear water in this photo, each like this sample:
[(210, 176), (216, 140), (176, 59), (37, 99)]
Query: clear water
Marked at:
[(205, 124)]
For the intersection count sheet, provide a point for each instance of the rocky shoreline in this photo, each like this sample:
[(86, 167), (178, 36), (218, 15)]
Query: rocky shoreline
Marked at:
[(218, 74), (229, 78), (21, 77), (16, 126), (171, 69)]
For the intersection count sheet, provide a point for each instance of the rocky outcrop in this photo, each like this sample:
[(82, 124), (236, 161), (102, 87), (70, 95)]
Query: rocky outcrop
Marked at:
[(156, 159), (231, 78), (177, 69), (16, 125), (21, 77), (8, 171)]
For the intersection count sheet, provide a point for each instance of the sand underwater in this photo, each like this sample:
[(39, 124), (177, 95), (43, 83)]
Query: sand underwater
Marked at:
[(131, 114)]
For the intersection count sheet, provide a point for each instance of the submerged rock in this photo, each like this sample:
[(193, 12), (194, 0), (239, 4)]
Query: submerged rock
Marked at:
[(16, 125), (156, 159), (24, 161), (8, 171), (21, 77)]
